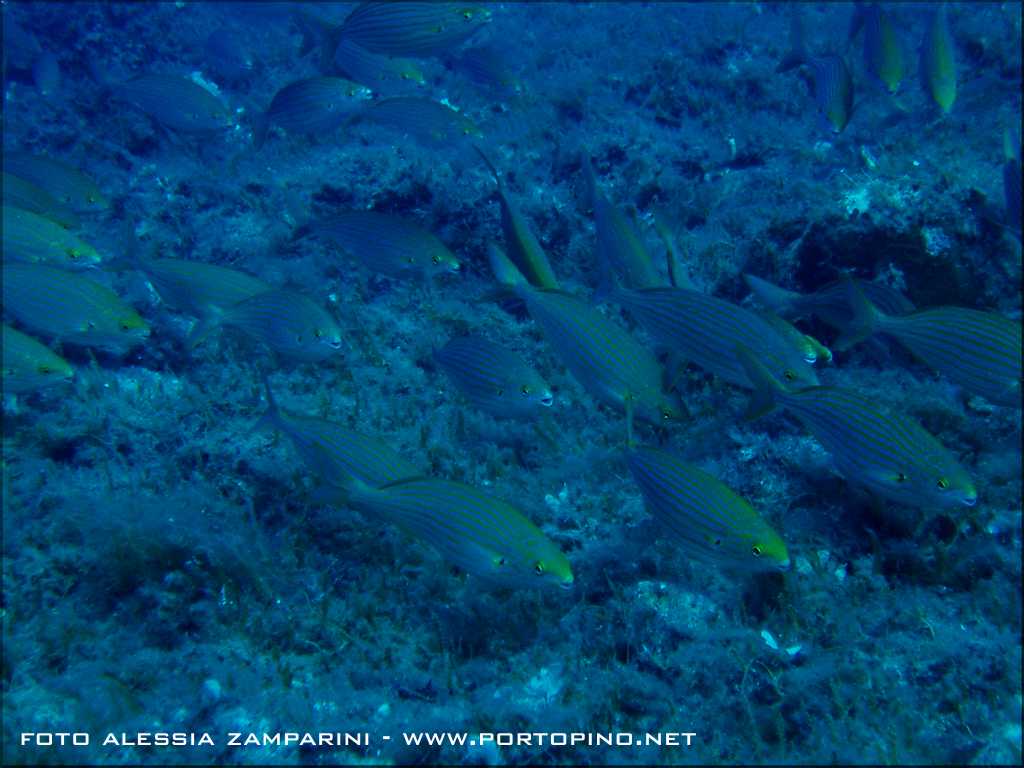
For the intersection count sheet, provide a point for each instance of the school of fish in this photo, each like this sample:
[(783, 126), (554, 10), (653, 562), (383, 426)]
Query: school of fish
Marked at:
[(630, 355)]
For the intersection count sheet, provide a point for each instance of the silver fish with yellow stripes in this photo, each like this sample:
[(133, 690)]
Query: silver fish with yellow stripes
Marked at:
[(383, 74), (705, 330), (493, 378), (200, 289), (888, 453), (29, 365), (314, 106), (176, 102), (521, 243), (606, 360), (619, 246), (289, 323), (64, 183), (70, 308), (418, 29), (883, 50), (385, 243), (333, 451), (20, 193), (830, 303), (480, 534), (429, 122), (979, 351), (712, 522), (29, 236), (938, 61)]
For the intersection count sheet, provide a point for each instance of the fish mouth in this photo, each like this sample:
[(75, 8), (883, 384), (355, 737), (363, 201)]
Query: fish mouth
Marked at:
[(784, 565), (334, 344), (969, 501), (548, 400), (566, 585)]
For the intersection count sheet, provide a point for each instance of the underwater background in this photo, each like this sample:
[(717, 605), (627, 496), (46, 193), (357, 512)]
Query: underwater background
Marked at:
[(498, 456)]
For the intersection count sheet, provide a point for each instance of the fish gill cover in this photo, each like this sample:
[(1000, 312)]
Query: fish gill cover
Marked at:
[(378, 383)]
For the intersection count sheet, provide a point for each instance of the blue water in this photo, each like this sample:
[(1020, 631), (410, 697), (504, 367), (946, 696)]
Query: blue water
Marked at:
[(167, 569)]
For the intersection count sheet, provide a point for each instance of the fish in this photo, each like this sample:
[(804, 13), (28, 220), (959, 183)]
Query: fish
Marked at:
[(70, 308), (29, 365), (810, 349), (19, 193), (888, 453), (288, 323), (200, 289), (315, 106), (481, 534), (46, 74), (374, 70), (66, 184), (227, 56), (938, 61), (611, 365), (333, 451), (417, 29), (678, 274), (488, 66), (29, 236), (705, 330), (385, 243), (979, 351), (523, 247), (883, 51), (430, 122), (711, 521), (833, 90), (619, 246), (493, 378), (831, 303), (1012, 180), (176, 102), (830, 76)]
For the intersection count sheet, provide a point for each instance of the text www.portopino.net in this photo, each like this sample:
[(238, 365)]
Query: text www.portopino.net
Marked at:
[(552, 739)]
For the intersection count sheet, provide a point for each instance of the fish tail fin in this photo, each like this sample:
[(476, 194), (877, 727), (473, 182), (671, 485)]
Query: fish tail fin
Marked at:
[(489, 164), (318, 33), (271, 418), (678, 274), (766, 387), (866, 318), (260, 127), (781, 301), (797, 55), (200, 331), (505, 271), (1011, 144), (608, 285)]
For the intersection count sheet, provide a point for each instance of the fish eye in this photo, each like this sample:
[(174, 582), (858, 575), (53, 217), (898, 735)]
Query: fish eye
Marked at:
[(126, 325), (756, 550), (72, 254), (436, 259), (500, 561), (500, 391), (789, 375), (902, 477), (718, 542), (45, 369), (539, 569), (318, 333), (525, 390), (666, 414), (943, 484)]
